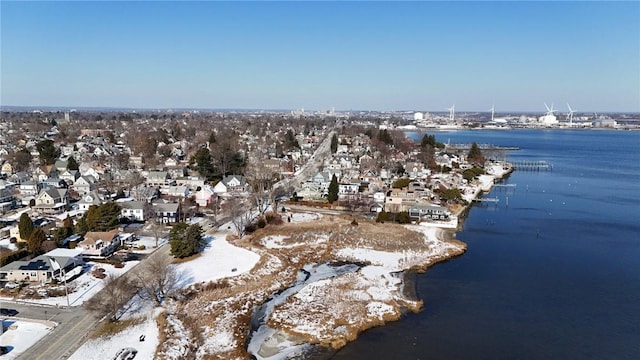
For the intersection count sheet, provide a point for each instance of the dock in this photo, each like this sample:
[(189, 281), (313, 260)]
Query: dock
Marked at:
[(487, 200), (531, 165)]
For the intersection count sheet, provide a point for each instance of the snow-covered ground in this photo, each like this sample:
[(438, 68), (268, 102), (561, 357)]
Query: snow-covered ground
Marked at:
[(218, 260), (21, 335), (101, 349)]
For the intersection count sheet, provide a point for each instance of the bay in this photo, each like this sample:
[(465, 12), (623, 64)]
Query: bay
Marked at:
[(555, 274)]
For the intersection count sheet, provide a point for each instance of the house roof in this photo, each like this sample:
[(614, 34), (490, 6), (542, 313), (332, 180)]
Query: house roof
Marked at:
[(169, 207), (133, 205), (64, 257), (92, 237)]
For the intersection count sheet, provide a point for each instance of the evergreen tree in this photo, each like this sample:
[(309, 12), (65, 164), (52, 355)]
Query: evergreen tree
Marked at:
[(333, 189), (290, 141), (34, 243), (334, 144), (48, 152), (25, 226), (185, 240), (99, 218), (72, 164), (475, 155), (202, 162), (385, 137)]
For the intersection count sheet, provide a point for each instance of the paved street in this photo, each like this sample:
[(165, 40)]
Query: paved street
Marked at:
[(75, 325)]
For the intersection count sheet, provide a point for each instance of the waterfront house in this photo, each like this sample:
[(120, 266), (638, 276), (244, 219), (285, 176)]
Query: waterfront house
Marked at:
[(427, 211)]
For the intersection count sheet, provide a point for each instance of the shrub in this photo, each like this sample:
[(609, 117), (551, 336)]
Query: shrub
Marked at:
[(249, 228), (403, 218), (382, 217), (261, 222)]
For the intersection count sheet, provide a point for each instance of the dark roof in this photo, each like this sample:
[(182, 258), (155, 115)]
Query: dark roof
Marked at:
[(35, 265)]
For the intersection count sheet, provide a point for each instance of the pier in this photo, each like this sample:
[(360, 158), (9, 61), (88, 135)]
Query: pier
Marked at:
[(487, 200), (531, 165)]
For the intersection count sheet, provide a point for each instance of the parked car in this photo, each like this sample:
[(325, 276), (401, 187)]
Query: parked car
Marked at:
[(126, 354), (8, 312)]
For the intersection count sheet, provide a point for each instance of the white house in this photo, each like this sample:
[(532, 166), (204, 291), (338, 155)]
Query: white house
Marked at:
[(133, 210), (231, 183), (99, 244), (43, 268), (83, 185), (92, 198)]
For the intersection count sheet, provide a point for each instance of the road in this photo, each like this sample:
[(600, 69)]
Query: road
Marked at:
[(312, 166), (75, 324)]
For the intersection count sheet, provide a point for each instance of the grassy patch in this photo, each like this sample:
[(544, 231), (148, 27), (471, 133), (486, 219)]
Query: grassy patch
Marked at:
[(110, 328)]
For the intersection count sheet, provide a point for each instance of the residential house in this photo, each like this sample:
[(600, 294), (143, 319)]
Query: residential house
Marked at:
[(60, 165), (231, 184), (176, 191), (99, 243), (83, 185), (91, 198), (432, 212), (157, 179), (42, 173), (52, 201), (166, 212), (91, 173), (133, 210), (6, 191), (192, 182), (69, 176), (144, 193), (205, 196), (6, 169), (348, 190), (28, 191), (43, 268)]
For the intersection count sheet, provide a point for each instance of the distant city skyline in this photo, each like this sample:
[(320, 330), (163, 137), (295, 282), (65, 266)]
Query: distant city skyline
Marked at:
[(422, 56)]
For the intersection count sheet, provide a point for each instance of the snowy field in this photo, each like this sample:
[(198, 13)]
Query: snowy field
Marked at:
[(220, 259), (21, 335), (106, 349)]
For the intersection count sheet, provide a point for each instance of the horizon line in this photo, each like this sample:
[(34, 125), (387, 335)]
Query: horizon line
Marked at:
[(228, 109)]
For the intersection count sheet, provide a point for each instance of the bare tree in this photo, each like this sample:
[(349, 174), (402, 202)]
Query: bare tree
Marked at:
[(261, 179), (157, 278), (113, 300), (240, 211)]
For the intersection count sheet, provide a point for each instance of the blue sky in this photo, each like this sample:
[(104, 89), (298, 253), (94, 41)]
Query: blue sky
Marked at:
[(318, 55)]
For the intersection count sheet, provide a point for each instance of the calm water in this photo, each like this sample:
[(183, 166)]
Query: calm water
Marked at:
[(555, 275)]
